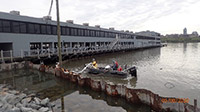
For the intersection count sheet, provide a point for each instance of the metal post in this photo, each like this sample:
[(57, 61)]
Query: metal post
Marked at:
[(58, 32), (41, 50), (49, 55), (38, 53), (2, 57), (195, 105), (53, 48), (62, 104), (11, 57)]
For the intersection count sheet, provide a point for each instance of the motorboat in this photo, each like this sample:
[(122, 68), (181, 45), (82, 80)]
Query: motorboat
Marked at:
[(131, 71)]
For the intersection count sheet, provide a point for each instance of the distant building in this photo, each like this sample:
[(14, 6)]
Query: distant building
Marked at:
[(185, 34), (195, 33), (185, 31)]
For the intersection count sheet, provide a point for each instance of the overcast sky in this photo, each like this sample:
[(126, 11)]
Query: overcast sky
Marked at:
[(164, 16)]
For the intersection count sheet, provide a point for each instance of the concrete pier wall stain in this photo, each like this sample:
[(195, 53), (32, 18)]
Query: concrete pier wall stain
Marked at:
[(134, 96), (111, 89), (121, 89)]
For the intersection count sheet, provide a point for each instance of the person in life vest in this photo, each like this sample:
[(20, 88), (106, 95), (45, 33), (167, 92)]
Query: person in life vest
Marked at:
[(119, 69), (115, 65), (94, 64)]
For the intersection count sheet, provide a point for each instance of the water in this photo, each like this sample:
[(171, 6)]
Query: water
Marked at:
[(168, 71), (172, 71), (67, 96)]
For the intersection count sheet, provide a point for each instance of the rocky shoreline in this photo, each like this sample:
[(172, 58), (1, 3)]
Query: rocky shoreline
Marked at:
[(15, 101)]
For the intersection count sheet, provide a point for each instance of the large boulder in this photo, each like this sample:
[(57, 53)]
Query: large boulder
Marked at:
[(45, 102)]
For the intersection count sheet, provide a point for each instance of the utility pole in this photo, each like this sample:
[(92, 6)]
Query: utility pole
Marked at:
[(58, 33)]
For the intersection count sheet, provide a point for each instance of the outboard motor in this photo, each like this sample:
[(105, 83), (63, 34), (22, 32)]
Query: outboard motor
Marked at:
[(133, 71)]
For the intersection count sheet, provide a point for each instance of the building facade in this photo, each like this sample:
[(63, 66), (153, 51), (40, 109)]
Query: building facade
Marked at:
[(23, 34)]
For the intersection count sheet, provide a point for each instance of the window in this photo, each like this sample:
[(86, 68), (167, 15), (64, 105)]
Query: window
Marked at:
[(113, 35), (22, 27), (6, 26), (110, 34), (157, 38), (37, 29), (86, 32), (68, 31), (82, 32), (48, 29), (71, 31), (79, 32), (132, 36), (54, 30), (63, 31), (124, 36), (74, 32), (31, 28), (43, 29), (97, 33), (120, 35), (106, 34), (92, 33), (15, 27), (1, 26), (129, 36), (102, 34), (143, 37)]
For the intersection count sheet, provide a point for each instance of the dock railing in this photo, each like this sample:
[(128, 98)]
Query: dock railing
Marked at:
[(10, 55)]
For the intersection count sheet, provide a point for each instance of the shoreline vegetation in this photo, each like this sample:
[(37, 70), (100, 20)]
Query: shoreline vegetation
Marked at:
[(179, 39)]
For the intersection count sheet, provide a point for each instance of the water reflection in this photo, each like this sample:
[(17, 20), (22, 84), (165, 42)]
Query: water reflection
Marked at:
[(67, 96), (116, 80), (184, 47), (130, 58), (177, 65), (29, 79), (87, 100)]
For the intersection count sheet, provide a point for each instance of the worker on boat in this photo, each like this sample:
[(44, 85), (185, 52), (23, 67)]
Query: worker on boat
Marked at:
[(115, 65), (119, 69), (94, 63), (58, 65)]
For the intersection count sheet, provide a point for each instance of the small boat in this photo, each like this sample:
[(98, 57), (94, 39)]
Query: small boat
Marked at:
[(109, 71)]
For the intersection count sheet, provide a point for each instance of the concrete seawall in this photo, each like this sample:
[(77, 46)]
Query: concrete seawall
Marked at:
[(134, 96)]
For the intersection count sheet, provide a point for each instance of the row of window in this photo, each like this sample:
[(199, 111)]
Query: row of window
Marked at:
[(143, 37), (33, 28), (157, 38), (158, 43)]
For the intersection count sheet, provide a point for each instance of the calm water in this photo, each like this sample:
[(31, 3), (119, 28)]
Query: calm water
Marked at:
[(169, 71), (67, 96)]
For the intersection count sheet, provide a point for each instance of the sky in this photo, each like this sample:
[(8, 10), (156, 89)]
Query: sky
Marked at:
[(163, 16)]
